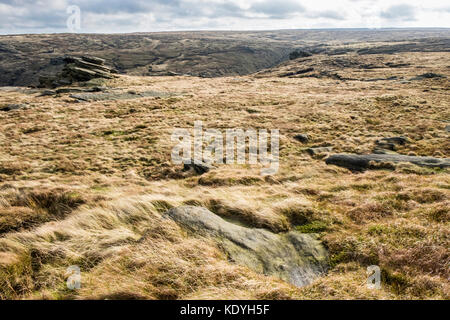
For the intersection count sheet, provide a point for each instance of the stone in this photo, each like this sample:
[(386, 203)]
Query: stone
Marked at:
[(385, 145), (401, 140), (447, 128), (318, 150), (357, 162), (198, 166), (303, 138), (428, 75), (12, 107), (47, 93), (293, 257)]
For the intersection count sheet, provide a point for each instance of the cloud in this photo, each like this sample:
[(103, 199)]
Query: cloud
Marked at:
[(30, 16), (328, 14), (401, 11), (277, 9)]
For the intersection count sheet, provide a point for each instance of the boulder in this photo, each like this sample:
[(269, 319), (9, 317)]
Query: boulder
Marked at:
[(293, 257), (363, 162)]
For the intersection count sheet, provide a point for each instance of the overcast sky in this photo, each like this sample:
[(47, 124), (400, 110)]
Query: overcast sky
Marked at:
[(108, 16)]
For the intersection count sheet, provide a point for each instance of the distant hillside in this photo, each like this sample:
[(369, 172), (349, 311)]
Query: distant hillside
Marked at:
[(205, 54)]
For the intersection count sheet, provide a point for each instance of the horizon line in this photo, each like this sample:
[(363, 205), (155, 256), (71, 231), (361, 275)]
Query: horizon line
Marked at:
[(229, 31)]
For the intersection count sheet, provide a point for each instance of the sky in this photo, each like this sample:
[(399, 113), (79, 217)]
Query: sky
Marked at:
[(115, 16)]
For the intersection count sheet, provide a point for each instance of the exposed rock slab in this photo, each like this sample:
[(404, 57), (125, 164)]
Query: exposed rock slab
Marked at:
[(102, 96), (294, 257), (363, 162)]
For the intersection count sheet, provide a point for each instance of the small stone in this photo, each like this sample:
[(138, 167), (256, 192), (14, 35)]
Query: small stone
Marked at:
[(319, 150), (303, 138), (401, 140), (198, 166), (47, 93), (12, 107)]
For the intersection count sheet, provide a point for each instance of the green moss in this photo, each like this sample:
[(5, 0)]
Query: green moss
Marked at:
[(313, 227)]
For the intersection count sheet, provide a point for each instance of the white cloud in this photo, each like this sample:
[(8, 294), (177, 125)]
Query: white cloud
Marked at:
[(20, 16)]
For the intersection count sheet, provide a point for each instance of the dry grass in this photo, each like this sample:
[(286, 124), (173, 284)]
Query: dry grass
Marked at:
[(88, 183)]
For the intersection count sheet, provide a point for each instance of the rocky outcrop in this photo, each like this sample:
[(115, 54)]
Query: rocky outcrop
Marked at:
[(77, 69), (294, 257), (363, 162)]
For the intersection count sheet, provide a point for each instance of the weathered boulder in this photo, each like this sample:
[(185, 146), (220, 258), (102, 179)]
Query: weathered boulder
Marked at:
[(363, 162), (293, 257)]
